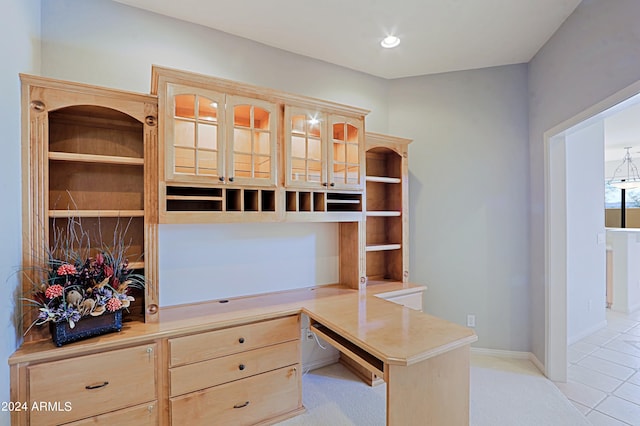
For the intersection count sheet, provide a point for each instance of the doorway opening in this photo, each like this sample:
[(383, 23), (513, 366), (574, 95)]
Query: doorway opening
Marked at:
[(570, 239)]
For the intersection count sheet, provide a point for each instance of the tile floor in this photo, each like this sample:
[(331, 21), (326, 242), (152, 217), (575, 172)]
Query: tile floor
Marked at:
[(604, 372)]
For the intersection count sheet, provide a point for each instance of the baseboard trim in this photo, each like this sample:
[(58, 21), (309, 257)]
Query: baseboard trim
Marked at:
[(501, 353), (510, 354), (588, 332), (535, 361)]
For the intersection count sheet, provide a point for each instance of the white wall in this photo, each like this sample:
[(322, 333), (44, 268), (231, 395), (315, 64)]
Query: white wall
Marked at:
[(468, 197), (586, 299), (20, 50), (106, 43), (625, 244), (594, 54)]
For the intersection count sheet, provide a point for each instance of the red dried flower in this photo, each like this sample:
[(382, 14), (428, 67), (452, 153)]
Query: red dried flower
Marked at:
[(114, 304), (55, 290), (67, 269)]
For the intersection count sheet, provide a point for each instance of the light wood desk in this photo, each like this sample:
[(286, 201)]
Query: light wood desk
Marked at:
[(423, 359)]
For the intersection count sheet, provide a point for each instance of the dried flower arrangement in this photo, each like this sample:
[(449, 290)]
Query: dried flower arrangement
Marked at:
[(77, 280)]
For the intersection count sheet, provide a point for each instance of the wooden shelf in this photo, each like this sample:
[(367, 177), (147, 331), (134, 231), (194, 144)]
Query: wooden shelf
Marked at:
[(92, 158), (382, 179), (342, 201), (384, 247), (95, 213), (194, 197), (384, 214)]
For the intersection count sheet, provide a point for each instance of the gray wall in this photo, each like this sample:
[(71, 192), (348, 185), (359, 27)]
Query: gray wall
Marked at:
[(468, 196), (20, 50), (594, 54)]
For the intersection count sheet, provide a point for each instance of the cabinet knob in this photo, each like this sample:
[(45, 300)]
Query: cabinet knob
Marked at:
[(231, 179), (324, 184), (241, 405), (221, 178), (241, 340), (150, 408), (241, 367), (332, 184)]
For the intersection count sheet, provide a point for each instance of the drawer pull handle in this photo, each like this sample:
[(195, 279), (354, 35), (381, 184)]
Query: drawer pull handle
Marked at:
[(241, 340), (90, 387), (241, 405), (241, 367)]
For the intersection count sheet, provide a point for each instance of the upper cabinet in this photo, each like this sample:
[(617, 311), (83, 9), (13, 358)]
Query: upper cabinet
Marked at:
[(323, 150), (215, 138), (232, 152)]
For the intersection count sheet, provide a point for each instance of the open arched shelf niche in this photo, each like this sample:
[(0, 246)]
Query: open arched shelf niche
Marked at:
[(96, 185), (89, 166), (386, 208)]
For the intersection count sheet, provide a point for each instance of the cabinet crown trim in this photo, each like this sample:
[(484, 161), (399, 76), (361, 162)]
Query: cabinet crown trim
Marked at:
[(233, 87)]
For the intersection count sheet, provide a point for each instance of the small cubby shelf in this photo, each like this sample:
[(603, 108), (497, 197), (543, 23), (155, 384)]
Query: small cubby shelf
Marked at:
[(187, 200), (320, 201)]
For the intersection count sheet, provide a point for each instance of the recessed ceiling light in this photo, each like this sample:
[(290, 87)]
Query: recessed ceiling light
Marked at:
[(390, 41)]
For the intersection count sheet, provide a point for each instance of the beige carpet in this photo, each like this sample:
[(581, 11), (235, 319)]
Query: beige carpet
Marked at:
[(503, 392)]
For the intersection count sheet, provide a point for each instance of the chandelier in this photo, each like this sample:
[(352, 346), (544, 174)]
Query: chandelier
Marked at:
[(631, 179)]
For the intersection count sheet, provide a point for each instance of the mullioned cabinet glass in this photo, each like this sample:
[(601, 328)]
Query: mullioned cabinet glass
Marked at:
[(322, 150), (217, 138)]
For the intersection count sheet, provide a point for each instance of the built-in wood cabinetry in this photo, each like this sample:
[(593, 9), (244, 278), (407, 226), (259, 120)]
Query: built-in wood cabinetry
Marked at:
[(227, 157), (255, 374), (97, 385), (215, 138), (323, 150), (221, 152), (387, 254), (89, 161)]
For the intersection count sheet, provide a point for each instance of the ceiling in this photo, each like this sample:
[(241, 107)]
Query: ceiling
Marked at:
[(437, 35), (622, 129)]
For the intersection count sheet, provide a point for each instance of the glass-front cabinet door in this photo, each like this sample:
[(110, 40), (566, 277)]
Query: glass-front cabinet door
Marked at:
[(345, 153), (251, 127), (305, 148), (323, 151), (194, 148)]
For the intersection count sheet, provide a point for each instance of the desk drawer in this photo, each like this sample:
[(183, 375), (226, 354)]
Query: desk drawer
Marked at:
[(200, 347), (201, 375), (93, 384), (145, 414), (243, 402)]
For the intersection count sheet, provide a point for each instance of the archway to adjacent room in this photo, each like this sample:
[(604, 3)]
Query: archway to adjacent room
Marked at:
[(558, 244)]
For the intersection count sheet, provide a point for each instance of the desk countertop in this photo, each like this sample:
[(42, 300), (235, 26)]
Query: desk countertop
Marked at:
[(393, 333)]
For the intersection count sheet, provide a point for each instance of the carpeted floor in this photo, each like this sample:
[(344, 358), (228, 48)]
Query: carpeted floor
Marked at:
[(507, 392)]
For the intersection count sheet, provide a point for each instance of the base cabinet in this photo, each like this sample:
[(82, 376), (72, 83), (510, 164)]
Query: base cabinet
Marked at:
[(144, 414), (244, 402), (97, 386), (243, 375)]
